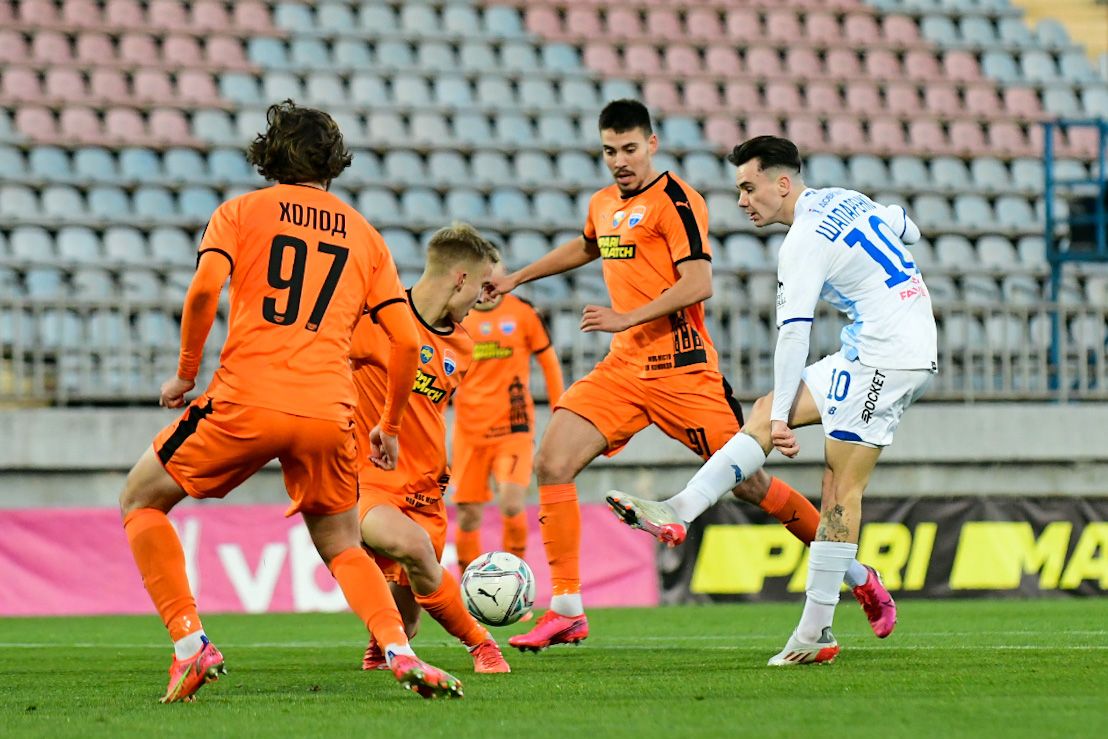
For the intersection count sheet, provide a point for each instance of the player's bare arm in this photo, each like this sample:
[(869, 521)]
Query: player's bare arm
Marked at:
[(570, 255), (693, 286), (197, 317)]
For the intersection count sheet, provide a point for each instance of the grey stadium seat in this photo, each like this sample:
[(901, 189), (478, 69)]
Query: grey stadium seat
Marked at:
[(77, 244), (465, 204)]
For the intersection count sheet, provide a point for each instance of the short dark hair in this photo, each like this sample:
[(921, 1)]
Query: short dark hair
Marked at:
[(299, 145), (770, 151), (625, 115)]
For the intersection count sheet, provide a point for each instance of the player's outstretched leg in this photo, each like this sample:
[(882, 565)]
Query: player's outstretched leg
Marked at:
[(186, 676), (797, 652), (875, 600), (656, 518)]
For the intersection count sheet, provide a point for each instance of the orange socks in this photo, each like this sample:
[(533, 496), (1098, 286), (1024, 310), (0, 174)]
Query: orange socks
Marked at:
[(445, 606), (792, 509), (468, 544), (368, 594), (161, 561), (560, 523), (515, 534)]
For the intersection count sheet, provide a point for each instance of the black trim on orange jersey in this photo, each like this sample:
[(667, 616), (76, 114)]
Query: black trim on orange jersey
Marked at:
[(540, 351), (186, 428), (377, 308), (587, 239), (688, 218), (429, 327), (645, 187), (729, 396), (702, 255), (202, 252), (542, 324)]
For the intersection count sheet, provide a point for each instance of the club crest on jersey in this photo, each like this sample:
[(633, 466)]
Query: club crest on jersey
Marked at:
[(426, 353), (448, 364), (617, 218), (507, 327), (486, 327), (637, 214)]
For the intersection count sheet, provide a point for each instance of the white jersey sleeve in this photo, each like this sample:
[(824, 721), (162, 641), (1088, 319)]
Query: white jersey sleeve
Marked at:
[(801, 272)]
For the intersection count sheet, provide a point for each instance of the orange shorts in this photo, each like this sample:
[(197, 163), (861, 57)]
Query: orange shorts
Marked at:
[(697, 408), (506, 460), (428, 510), (216, 445)]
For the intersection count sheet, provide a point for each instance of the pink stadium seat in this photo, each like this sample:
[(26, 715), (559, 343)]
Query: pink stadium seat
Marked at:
[(983, 100), (961, 66), (784, 98), (94, 48), (167, 14), (1035, 139), (7, 15), (967, 138), (886, 135), (21, 84), (882, 64), (108, 85), (581, 21), (822, 28), (920, 64), (124, 125), (226, 52), (702, 96), (763, 61), (822, 98), (942, 100), (902, 98), (124, 14), (623, 22), (541, 19), (169, 125), (805, 132), (1081, 142), (863, 98), (13, 47), (845, 133), (681, 59), (723, 130), (783, 25), (722, 60), (602, 57), (1022, 102), (663, 23), (842, 63), (900, 30), (51, 47), (35, 123), (703, 24), (181, 50), (743, 24), (210, 16), (80, 124), (81, 13), (759, 124), (38, 13), (861, 29), (927, 134), (802, 61), (661, 94), (152, 86), (138, 48), (1006, 137), (741, 94), (641, 59), (253, 15), (65, 83), (196, 86)]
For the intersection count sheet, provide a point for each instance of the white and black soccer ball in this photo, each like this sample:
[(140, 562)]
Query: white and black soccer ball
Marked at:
[(498, 588)]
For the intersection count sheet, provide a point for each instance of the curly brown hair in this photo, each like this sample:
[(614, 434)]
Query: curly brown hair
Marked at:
[(299, 145)]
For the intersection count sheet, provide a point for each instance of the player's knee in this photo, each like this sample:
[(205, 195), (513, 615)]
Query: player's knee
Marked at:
[(469, 516), (415, 551), (510, 506), (553, 467)]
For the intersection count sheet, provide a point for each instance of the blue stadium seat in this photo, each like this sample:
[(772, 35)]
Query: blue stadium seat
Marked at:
[(154, 203), (613, 89), (108, 202), (378, 204), (1038, 66), (588, 286), (446, 168), (521, 55), (335, 17), (198, 202), (107, 328), (124, 245), (293, 16), (140, 284), (557, 130), (868, 172), (31, 243), (1051, 34), (404, 248), (393, 53), (216, 127), (94, 163), (980, 289), (240, 87), (972, 211), (1020, 290), (365, 167), (429, 128), (60, 329), (172, 246), (1027, 174), (495, 90), (77, 244), (1000, 66), (184, 165), (1014, 31), (62, 202), (950, 173), (510, 206), (923, 254), (975, 30), (678, 131), (377, 18), (418, 18), (955, 252), (12, 286), (351, 53), (537, 93), (47, 162), (44, 282), (93, 282), (404, 166), (527, 246), (1095, 101), (1075, 66), (1061, 102), (553, 207), (459, 19), (281, 85), (533, 168), (908, 172), (821, 170), (581, 204), (514, 129), (18, 201), (744, 251), (997, 251), (503, 22), (472, 128), (579, 93), (938, 29), (368, 88), (725, 212), (491, 168), (269, 53), (177, 283), (229, 165), (1014, 212), (578, 168), (931, 211), (435, 56), (155, 328), (324, 89), (453, 90), (989, 174), (477, 56), (386, 127), (465, 204), (559, 57)]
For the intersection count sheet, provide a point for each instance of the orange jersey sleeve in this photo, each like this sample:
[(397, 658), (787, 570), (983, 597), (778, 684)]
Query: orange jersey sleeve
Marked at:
[(303, 265), (642, 238), (444, 359)]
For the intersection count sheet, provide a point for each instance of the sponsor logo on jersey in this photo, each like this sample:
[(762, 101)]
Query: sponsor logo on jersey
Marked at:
[(872, 395), (610, 248), (507, 327), (486, 327), (425, 385), (483, 350), (780, 294), (637, 214), (426, 354), (449, 364), (617, 218)]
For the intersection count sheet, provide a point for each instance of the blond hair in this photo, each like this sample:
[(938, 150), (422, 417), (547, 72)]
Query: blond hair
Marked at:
[(459, 242)]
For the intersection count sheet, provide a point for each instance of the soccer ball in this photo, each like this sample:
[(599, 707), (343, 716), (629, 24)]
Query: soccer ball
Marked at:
[(498, 588)]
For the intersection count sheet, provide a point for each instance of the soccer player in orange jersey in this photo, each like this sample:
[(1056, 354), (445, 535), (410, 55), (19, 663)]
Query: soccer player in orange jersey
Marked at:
[(494, 419), (651, 231), (403, 515), (304, 267)]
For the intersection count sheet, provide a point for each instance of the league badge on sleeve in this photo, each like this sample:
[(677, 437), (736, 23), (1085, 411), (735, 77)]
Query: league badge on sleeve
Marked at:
[(448, 363), (426, 353)]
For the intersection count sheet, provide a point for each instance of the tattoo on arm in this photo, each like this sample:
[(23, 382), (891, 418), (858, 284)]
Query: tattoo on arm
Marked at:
[(832, 527)]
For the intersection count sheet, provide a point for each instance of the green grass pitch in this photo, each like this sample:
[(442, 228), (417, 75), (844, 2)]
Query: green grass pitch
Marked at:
[(952, 668)]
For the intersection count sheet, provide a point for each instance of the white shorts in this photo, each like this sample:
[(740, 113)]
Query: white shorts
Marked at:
[(862, 404)]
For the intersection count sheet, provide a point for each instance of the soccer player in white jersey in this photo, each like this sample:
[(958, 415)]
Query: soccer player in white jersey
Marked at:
[(850, 251)]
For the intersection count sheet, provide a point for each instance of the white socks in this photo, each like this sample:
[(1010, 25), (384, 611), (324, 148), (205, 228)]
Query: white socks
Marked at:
[(569, 604), (827, 565), (856, 574), (393, 650), (736, 461), (188, 646)]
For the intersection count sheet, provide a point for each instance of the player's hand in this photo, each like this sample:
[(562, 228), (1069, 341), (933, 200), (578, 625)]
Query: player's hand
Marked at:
[(603, 318), (499, 285), (384, 448), (173, 392), (784, 440)]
